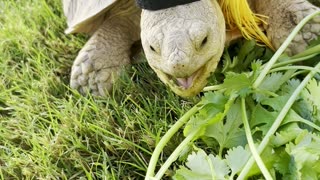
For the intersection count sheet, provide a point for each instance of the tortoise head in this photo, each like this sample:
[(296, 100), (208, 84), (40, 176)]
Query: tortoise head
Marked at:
[(183, 44)]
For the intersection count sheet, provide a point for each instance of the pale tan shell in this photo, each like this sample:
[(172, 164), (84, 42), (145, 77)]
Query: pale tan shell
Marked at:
[(85, 15)]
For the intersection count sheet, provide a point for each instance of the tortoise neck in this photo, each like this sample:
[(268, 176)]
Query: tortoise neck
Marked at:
[(161, 4)]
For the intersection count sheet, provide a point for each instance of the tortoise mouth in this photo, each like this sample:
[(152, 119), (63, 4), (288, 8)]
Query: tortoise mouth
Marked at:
[(188, 82), (193, 84)]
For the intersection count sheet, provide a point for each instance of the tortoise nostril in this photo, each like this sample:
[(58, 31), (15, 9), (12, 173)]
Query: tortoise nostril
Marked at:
[(204, 41), (152, 48)]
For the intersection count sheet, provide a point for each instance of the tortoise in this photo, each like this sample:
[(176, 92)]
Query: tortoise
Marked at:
[(183, 40)]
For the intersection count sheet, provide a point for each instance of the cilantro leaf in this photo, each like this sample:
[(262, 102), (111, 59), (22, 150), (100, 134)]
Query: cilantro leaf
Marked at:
[(287, 134), (236, 159), (215, 98), (275, 103), (203, 167), (289, 87), (262, 119), (228, 134), (270, 83), (235, 82), (213, 103), (285, 165), (186, 174), (306, 155), (311, 94), (256, 68)]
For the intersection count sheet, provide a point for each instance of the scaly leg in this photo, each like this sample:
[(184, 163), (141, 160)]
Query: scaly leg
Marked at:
[(284, 15), (102, 58)]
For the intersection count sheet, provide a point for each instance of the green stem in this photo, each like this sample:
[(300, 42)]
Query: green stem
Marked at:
[(220, 151), (272, 94), (164, 140), (282, 48), (311, 124), (299, 72), (315, 50), (294, 60), (173, 157), (303, 56), (213, 88), (278, 121), (294, 68), (252, 147)]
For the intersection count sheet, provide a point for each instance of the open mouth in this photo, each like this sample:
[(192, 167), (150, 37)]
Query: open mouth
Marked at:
[(186, 82), (191, 85)]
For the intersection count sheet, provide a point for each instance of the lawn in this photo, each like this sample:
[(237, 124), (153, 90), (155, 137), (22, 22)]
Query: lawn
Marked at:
[(49, 131)]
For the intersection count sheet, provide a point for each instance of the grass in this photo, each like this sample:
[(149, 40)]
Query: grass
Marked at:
[(47, 130)]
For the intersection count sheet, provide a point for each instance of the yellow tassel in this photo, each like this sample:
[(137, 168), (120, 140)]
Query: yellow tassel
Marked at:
[(238, 14)]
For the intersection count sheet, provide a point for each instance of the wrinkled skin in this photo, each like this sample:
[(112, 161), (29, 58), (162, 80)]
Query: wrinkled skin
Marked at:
[(183, 44)]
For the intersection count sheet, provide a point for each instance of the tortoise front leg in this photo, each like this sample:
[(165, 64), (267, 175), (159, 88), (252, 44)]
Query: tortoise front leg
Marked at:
[(103, 57), (284, 15)]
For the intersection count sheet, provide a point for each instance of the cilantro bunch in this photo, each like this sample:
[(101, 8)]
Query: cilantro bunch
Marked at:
[(262, 122)]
